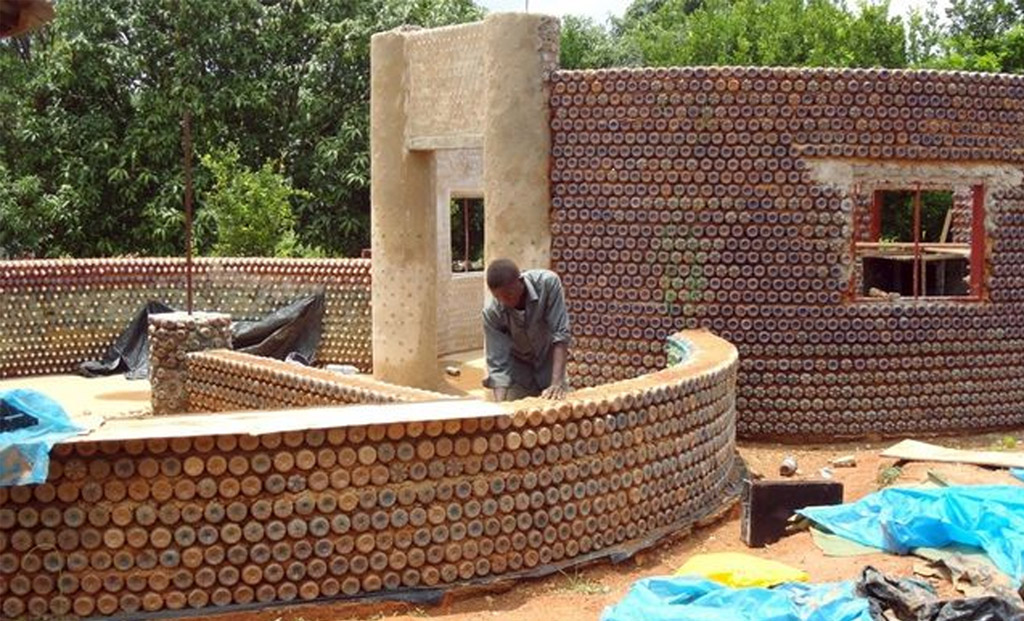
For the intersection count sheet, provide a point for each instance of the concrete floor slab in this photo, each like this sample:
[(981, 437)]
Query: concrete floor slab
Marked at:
[(84, 398), (111, 397), (472, 368)]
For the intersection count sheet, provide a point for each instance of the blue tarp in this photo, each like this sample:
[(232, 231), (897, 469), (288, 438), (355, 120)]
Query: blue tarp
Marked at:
[(30, 424), (697, 599), (1017, 472), (679, 350), (990, 517)]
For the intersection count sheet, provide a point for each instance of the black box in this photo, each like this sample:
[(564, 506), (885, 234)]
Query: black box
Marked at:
[(12, 419), (768, 505)]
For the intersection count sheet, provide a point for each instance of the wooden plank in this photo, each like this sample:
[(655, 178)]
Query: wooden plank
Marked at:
[(907, 257), (978, 240), (934, 246), (944, 235), (912, 450)]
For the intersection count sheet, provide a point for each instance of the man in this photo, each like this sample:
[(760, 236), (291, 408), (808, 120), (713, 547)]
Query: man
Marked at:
[(526, 331)]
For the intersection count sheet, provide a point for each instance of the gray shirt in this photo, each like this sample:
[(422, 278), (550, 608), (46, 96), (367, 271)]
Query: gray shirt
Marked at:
[(517, 339)]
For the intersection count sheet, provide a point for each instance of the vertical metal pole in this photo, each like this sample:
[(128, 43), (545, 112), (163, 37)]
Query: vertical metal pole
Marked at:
[(186, 147), (465, 231), (186, 144), (917, 241), (978, 241)]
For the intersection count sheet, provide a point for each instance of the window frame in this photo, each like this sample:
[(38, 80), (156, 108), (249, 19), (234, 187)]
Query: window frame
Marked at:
[(977, 247)]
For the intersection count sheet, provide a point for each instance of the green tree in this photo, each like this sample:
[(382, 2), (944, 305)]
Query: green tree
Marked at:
[(91, 109), (985, 35), (875, 38), (898, 215), (641, 9), (983, 20), (30, 220), (585, 44), (250, 209), (925, 38), (768, 32)]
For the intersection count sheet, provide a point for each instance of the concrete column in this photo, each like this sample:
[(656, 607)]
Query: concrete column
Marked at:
[(520, 49), (403, 229)]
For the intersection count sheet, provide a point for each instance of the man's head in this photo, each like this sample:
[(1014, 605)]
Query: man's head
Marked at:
[(504, 282)]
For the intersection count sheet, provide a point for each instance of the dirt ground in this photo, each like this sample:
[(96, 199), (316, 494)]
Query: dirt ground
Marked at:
[(584, 593)]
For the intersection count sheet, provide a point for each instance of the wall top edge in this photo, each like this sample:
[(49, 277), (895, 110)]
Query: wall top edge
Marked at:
[(708, 356), (413, 31), (765, 72), (18, 264), (416, 32), (279, 421)]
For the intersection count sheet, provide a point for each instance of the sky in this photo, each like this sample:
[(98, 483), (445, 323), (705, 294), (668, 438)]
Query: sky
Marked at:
[(599, 10)]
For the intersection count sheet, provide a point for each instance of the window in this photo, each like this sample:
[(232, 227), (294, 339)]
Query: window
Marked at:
[(467, 234), (922, 243)]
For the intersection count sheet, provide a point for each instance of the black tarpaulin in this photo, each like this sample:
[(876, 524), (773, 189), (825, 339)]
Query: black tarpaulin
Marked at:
[(910, 600), (130, 352), (293, 332), (296, 328)]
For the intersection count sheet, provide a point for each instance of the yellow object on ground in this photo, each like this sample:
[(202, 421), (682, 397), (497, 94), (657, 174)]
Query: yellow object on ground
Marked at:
[(741, 570)]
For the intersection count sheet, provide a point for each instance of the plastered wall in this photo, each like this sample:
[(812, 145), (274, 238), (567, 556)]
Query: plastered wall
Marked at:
[(461, 327), (57, 314), (479, 88), (446, 83), (723, 198)]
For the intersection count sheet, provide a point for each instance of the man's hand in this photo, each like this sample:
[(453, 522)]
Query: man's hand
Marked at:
[(559, 386), (556, 391)]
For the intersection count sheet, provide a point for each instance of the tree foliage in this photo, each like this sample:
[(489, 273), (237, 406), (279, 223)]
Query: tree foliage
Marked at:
[(980, 35), (984, 35), (90, 110), (764, 32), (250, 210), (91, 105), (585, 44)]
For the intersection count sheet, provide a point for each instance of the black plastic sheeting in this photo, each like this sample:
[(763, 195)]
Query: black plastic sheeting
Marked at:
[(292, 332), (130, 352), (910, 600), (294, 329)]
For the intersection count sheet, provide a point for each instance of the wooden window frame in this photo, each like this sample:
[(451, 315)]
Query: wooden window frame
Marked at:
[(977, 248)]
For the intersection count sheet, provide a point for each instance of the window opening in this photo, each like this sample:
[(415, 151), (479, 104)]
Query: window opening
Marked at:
[(910, 252), (467, 234)]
